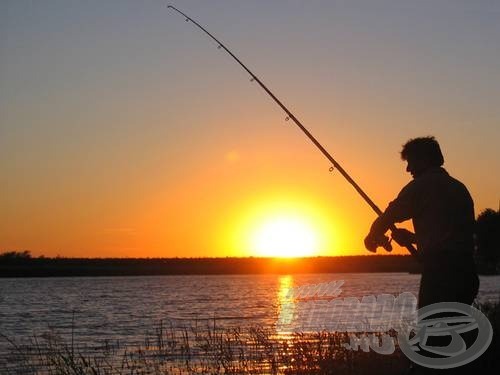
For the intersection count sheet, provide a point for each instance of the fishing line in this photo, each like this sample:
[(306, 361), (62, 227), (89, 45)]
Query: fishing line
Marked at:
[(291, 116)]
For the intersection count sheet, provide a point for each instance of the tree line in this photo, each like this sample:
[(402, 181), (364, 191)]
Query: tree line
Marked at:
[(487, 239)]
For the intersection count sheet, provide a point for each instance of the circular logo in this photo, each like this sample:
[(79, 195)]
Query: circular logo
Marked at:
[(458, 318)]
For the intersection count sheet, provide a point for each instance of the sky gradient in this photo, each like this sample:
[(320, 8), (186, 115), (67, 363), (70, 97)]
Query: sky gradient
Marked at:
[(125, 132)]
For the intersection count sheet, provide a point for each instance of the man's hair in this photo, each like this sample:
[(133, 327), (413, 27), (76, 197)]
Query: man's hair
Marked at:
[(423, 148)]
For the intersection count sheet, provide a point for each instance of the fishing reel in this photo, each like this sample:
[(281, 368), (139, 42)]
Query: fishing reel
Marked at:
[(383, 241)]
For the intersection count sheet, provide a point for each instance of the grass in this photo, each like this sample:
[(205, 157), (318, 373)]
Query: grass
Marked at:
[(200, 350), (205, 348)]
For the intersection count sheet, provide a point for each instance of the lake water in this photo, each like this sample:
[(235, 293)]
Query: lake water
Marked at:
[(129, 308)]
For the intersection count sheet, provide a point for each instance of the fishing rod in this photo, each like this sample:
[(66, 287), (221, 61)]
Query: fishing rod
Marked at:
[(291, 116)]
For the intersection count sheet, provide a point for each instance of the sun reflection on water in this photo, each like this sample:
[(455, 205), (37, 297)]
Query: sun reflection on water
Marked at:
[(286, 304)]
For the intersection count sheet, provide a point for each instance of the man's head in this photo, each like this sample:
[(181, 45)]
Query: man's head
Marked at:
[(421, 154)]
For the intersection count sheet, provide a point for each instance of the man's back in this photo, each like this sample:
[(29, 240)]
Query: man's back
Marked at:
[(443, 216)]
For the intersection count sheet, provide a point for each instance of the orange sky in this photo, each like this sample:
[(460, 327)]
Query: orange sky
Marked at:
[(125, 133)]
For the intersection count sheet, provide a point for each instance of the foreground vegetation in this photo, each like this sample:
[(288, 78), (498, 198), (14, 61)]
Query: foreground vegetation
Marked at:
[(206, 349), (203, 351)]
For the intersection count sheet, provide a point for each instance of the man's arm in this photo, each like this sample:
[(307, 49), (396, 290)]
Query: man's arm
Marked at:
[(400, 209)]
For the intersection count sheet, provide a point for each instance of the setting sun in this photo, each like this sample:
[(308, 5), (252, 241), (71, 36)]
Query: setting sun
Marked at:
[(280, 224), (285, 237)]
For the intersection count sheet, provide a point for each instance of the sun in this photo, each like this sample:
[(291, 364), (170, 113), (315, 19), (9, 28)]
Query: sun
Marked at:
[(284, 236)]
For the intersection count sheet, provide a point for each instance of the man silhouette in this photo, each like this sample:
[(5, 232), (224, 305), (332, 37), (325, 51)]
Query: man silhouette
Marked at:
[(442, 212)]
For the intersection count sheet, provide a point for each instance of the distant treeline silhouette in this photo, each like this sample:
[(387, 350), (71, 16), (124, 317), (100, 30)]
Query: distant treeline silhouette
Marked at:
[(23, 265), (488, 241)]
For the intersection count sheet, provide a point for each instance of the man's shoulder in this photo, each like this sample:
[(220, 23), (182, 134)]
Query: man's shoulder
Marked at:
[(447, 178), (431, 179), (441, 181), (459, 188), (436, 175)]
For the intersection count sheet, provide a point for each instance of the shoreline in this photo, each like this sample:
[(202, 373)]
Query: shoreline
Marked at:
[(66, 267)]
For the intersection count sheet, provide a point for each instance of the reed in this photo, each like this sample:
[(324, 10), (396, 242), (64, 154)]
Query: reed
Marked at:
[(201, 350), (204, 347)]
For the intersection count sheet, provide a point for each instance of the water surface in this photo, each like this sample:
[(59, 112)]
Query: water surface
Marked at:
[(129, 308)]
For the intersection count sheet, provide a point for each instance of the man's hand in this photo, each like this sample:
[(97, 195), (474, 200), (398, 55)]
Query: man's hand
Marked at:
[(373, 241), (403, 237), (371, 244)]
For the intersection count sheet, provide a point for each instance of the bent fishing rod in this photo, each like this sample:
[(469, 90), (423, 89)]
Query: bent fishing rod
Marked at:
[(291, 116)]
